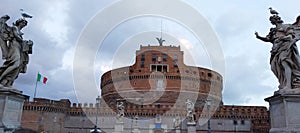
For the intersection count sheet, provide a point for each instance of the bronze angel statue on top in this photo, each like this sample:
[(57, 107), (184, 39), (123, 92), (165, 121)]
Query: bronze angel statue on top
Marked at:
[(284, 60), (15, 50)]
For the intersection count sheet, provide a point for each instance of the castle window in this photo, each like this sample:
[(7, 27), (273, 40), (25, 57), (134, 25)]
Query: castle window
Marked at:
[(142, 64), (165, 68), (153, 68), (164, 57), (175, 58), (175, 61), (175, 64), (153, 57), (143, 57), (235, 122), (209, 75), (159, 68), (243, 122), (157, 106)]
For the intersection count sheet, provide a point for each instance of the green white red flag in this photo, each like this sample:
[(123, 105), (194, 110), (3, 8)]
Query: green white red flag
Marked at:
[(40, 77)]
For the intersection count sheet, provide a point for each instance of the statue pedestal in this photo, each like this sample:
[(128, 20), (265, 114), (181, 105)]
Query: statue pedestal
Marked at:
[(284, 111), (119, 127), (136, 130), (191, 127), (11, 108)]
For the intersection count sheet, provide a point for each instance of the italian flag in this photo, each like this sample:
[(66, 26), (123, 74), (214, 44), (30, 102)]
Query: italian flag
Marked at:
[(39, 77)]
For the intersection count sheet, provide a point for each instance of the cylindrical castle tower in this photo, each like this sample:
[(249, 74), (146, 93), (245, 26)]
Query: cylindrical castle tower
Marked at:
[(159, 82)]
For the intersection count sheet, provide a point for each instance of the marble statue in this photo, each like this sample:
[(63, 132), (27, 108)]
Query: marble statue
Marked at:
[(120, 108), (284, 60), (136, 121), (176, 123), (15, 51), (190, 111)]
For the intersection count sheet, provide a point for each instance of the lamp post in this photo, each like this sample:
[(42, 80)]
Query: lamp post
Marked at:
[(180, 123), (234, 117), (53, 124), (208, 103), (131, 124), (83, 121), (97, 107)]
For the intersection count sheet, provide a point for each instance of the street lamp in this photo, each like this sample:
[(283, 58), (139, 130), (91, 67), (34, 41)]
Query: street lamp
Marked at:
[(208, 103), (234, 117), (131, 124), (96, 130)]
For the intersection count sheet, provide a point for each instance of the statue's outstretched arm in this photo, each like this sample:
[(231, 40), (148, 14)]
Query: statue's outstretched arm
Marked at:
[(265, 39)]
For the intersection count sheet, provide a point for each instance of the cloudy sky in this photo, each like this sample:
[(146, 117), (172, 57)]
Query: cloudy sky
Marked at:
[(59, 28)]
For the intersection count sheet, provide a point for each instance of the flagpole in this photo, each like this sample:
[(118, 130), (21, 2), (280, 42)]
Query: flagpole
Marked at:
[(34, 96), (35, 90)]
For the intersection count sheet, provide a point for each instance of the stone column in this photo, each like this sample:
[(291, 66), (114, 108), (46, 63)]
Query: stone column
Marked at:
[(11, 108), (284, 112)]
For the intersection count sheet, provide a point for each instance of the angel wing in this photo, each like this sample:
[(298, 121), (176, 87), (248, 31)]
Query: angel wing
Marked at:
[(6, 34), (296, 28), (297, 21), (3, 21)]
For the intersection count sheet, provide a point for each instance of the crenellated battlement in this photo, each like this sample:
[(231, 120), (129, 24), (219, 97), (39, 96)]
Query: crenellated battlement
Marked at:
[(47, 105), (63, 103), (61, 106), (242, 112), (83, 105)]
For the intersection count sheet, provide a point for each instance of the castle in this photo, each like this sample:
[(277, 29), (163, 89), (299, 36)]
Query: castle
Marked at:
[(154, 92)]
